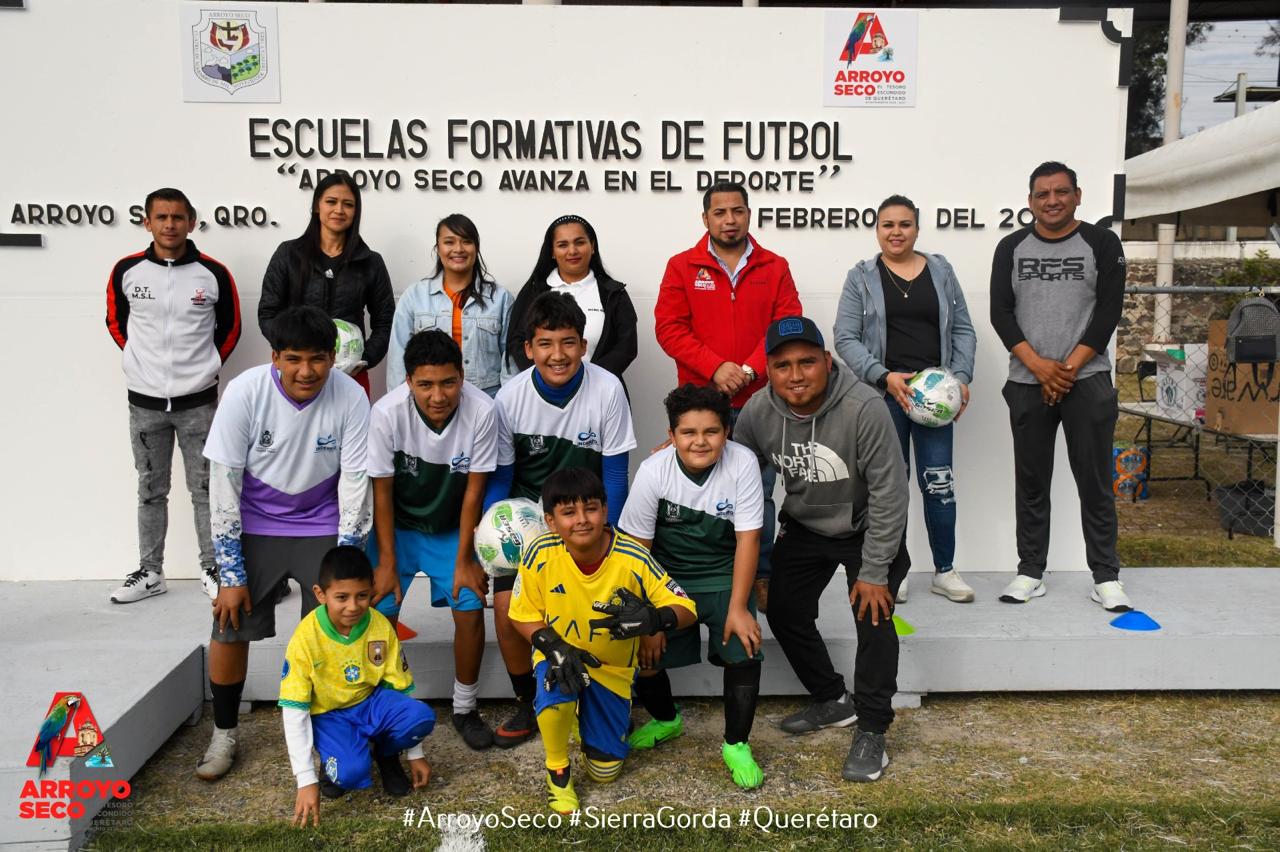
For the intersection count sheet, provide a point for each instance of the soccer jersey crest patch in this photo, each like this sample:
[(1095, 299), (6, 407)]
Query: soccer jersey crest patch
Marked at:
[(376, 651), (351, 671)]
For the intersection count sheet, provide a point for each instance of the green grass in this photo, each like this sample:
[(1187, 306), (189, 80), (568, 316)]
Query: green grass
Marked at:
[(1103, 771), (1207, 824), (1136, 548)]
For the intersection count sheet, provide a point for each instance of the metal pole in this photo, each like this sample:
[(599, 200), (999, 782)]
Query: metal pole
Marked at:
[(1242, 88), (1165, 234)]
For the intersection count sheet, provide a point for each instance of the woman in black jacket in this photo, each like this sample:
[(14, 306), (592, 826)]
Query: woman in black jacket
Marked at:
[(330, 267), (569, 262)]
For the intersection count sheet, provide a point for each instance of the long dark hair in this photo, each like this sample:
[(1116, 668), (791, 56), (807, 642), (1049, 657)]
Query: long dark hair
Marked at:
[(547, 259), (310, 238), (480, 283)]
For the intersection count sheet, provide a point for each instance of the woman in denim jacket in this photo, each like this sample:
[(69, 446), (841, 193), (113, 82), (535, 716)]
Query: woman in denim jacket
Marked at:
[(901, 312), (461, 300)]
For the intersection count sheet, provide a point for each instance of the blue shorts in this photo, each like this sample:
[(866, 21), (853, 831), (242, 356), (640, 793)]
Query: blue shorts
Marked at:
[(390, 720), (603, 716), (433, 555)]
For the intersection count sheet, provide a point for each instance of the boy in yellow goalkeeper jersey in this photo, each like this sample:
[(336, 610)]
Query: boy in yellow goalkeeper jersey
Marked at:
[(579, 569)]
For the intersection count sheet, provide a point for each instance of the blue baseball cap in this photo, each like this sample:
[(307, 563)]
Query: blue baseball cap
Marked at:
[(790, 329)]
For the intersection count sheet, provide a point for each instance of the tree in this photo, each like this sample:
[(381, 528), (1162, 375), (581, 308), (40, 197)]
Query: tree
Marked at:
[(1270, 45), (1147, 86)]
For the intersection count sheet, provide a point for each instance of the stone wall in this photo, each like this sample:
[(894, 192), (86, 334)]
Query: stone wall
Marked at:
[(1189, 322)]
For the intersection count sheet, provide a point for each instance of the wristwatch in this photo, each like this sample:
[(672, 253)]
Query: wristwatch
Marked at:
[(751, 374), (883, 382)]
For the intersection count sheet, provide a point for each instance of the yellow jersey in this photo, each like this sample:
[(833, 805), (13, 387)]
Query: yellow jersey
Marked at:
[(550, 587), (324, 670)]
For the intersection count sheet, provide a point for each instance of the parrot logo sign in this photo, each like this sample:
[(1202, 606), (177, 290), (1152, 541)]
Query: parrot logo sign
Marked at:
[(69, 729), (866, 37)]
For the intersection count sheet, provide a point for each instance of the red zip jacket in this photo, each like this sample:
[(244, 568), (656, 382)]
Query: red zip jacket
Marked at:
[(703, 322)]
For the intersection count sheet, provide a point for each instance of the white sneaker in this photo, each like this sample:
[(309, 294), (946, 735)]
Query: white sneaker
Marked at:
[(143, 583), (1111, 595), (209, 580), (220, 755), (951, 586), (1022, 589), (902, 592)]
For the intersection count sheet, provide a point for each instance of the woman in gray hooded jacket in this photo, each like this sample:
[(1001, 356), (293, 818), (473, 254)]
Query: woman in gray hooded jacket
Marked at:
[(901, 312)]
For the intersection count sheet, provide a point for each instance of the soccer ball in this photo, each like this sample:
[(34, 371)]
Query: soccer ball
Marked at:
[(935, 397), (504, 531), (350, 346)]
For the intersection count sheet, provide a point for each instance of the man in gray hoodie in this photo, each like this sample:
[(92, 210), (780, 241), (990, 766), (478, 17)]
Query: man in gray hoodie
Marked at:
[(830, 438)]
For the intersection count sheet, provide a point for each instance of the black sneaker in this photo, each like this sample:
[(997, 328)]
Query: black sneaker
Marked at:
[(836, 713), (394, 780), (473, 730), (330, 790), (519, 728), (867, 758)]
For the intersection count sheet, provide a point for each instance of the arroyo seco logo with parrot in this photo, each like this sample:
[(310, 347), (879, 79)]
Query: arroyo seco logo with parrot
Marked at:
[(70, 730)]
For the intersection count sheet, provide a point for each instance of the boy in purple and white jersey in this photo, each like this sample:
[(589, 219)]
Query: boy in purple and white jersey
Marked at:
[(286, 482)]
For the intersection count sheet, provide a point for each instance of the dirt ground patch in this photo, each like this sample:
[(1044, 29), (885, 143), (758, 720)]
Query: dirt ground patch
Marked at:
[(1056, 751)]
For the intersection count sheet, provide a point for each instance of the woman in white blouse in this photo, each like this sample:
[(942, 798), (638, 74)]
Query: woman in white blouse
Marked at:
[(569, 261)]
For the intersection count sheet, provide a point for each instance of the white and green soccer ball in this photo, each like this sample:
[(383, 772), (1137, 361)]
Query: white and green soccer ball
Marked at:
[(936, 397), (350, 346), (504, 533)]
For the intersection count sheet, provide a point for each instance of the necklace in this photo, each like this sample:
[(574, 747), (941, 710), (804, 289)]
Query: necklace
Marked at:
[(893, 279)]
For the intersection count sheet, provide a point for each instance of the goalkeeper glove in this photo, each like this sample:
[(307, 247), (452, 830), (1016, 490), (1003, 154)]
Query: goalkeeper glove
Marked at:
[(566, 665), (629, 616)]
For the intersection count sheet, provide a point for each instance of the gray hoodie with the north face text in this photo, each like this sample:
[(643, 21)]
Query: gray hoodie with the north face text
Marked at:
[(841, 467)]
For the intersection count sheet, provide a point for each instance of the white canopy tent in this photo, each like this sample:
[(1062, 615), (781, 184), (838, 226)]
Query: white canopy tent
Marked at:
[(1226, 175)]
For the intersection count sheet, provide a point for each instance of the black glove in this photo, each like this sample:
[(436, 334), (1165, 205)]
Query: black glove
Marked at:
[(566, 665), (629, 616)]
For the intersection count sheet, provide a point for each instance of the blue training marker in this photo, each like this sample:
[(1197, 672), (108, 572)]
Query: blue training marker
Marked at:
[(1135, 620)]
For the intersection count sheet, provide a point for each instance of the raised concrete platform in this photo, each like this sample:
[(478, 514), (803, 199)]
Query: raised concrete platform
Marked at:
[(141, 666), (141, 677)]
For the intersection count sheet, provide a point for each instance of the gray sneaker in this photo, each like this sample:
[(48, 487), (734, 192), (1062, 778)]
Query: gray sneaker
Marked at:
[(209, 581), (220, 755), (836, 713), (867, 758), (140, 585)]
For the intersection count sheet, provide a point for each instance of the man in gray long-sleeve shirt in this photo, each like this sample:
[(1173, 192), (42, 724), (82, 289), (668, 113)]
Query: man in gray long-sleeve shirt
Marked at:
[(1056, 294), (831, 440)]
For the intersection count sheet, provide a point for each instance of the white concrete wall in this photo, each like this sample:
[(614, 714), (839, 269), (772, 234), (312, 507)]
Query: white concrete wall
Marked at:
[(1207, 250), (94, 115)]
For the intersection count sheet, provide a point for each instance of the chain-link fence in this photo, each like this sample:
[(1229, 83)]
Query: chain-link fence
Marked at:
[(1195, 445)]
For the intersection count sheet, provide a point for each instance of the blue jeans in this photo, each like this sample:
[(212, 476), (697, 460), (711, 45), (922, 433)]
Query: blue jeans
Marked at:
[(769, 475), (935, 478)]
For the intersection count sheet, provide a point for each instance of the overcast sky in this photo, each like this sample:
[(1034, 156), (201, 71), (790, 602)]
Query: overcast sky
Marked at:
[(1211, 69)]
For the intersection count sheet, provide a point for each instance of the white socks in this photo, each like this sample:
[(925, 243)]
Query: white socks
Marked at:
[(464, 696)]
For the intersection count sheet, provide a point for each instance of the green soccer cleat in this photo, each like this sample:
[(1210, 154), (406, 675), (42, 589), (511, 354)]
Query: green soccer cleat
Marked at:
[(742, 765), (561, 796), (654, 731)]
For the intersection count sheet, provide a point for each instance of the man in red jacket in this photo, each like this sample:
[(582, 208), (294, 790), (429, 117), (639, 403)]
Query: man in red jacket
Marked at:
[(716, 301)]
